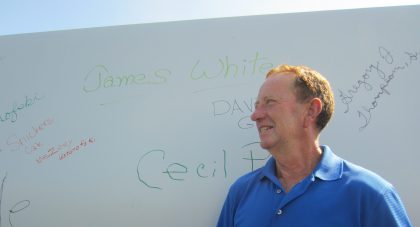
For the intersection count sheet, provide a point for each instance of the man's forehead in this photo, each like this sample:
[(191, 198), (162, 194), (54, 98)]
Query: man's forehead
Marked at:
[(278, 81), (276, 87)]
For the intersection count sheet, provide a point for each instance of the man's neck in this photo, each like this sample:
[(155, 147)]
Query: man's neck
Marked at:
[(294, 164)]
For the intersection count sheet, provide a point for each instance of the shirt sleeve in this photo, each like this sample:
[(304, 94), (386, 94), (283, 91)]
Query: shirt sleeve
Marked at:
[(228, 211), (389, 212)]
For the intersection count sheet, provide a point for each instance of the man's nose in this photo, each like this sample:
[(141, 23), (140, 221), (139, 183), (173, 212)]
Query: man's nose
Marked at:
[(257, 114)]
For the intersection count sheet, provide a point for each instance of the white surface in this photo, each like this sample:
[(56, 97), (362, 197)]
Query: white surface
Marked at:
[(173, 117)]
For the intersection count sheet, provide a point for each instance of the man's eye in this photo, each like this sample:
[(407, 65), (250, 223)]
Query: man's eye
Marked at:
[(268, 101)]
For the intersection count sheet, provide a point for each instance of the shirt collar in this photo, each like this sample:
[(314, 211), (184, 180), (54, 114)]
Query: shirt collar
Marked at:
[(329, 168), (269, 170)]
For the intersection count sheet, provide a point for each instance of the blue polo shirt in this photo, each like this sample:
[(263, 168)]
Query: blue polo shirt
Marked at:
[(337, 194)]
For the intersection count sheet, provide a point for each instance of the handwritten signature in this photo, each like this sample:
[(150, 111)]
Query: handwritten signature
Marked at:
[(27, 142), (18, 207), (228, 68), (83, 143), (180, 171), (12, 115), (385, 71)]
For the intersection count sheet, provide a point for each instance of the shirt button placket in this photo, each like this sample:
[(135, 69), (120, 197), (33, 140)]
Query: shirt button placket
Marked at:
[(279, 211)]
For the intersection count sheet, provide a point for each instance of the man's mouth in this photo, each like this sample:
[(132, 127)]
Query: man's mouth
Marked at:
[(265, 128)]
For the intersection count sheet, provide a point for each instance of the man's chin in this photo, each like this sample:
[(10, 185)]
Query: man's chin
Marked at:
[(265, 145)]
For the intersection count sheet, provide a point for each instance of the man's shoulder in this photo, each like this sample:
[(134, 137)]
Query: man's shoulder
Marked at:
[(364, 178), (355, 176), (376, 195)]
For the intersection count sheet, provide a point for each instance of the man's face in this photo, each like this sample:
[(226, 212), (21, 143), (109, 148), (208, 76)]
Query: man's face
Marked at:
[(278, 114)]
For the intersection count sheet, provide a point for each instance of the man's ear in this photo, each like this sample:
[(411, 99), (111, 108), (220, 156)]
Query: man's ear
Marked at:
[(315, 108)]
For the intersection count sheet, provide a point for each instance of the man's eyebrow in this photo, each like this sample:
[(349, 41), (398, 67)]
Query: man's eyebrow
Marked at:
[(261, 99), (265, 98)]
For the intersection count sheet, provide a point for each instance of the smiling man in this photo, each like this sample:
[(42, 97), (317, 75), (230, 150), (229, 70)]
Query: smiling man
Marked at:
[(303, 183)]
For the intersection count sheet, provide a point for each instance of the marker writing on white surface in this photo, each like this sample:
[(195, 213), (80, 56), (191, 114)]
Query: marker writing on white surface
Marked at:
[(16, 208)]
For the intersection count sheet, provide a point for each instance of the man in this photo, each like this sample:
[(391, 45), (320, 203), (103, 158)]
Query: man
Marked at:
[(303, 183)]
